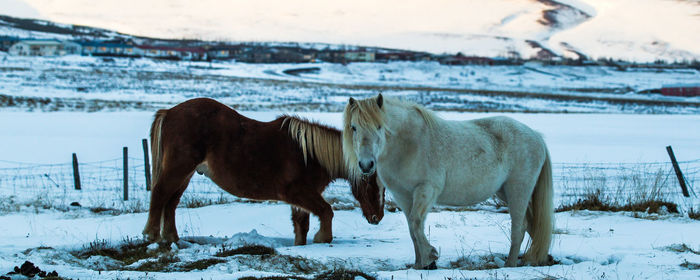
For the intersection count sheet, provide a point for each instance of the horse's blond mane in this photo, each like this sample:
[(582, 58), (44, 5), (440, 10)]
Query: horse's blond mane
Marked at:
[(319, 142), (368, 115)]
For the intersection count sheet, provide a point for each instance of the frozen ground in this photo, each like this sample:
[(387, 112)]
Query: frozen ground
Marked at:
[(92, 84), (588, 245), (52, 107), (44, 138)]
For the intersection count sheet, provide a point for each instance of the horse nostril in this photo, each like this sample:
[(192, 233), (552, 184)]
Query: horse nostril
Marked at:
[(375, 218), (366, 166)]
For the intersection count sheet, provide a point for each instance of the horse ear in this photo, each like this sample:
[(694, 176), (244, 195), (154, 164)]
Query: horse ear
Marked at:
[(380, 100), (351, 101)]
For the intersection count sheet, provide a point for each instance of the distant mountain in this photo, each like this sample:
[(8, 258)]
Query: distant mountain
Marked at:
[(635, 30)]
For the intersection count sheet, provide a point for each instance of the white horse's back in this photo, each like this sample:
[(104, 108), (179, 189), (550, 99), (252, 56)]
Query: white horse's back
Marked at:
[(480, 155)]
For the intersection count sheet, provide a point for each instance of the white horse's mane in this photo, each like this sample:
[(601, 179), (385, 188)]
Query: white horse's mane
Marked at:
[(369, 115)]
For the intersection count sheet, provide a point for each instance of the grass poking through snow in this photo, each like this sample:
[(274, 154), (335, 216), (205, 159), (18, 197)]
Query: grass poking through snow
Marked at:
[(614, 189), (682, 248), (245, 250), (129, 252), (691, 266), (336, 274)]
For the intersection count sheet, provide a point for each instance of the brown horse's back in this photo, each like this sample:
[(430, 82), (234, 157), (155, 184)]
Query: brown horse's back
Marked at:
[(248, 158)]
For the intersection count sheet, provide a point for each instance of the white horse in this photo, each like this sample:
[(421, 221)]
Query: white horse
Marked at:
[(423, 159)]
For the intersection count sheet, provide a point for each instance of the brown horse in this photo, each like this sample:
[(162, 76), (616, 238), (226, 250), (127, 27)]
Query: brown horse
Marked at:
[(288, 159)]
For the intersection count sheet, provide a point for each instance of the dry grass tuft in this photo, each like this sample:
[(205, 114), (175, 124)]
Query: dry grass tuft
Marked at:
[(693, 214), (596, 201), (129, 252), (617, 189), (245, 250), (682, 248), (200, 264), (163, 263), (691, 266), (335, 274)]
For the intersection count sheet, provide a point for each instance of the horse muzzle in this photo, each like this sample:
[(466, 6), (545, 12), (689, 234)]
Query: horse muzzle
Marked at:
[(374, 220), (367, 167)]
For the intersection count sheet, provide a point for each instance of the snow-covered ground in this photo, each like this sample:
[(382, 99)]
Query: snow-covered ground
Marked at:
[(43, 138), (588, 245), (103, 105), (91, 84)]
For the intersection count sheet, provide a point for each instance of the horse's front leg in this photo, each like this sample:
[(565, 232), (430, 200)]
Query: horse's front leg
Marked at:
[(318, 206), (325, 217), (424, 197), (300, 219)]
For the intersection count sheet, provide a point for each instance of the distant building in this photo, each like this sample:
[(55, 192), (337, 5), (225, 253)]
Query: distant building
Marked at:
[(174, 53), (110, 49), (224, 51), (6, 42), (330, 55), (359, 56), (256, 54), (293, 55), (460, 59), (44, 48), (681, 90)]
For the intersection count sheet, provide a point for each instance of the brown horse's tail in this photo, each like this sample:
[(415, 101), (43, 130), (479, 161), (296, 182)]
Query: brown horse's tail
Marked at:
[(540, 216), (156, 145)]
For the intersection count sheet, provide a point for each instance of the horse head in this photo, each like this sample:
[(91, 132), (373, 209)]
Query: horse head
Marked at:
[(370, 194), (364, 134)]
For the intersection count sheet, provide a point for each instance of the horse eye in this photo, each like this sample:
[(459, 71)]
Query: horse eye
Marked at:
[(353, 128), (379, 127)]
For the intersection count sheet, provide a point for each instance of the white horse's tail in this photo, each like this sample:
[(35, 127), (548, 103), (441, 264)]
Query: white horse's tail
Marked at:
[(540, 217)]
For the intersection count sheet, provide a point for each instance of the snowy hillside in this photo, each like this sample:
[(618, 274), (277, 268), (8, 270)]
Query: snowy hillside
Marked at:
[(640, 30)]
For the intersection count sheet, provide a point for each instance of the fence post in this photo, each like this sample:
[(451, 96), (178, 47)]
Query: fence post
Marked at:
[(76, 172), (146, 164), (679, 174), (126, 173)]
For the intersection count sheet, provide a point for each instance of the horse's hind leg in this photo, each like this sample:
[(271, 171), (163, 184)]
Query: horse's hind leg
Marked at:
[(300, 219), (169, 230), (517, 197), (171, 178)]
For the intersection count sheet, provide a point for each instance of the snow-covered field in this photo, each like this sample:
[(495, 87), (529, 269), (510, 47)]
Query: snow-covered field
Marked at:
[(92, 84), (588, 245), (53, 107), (40, 137)]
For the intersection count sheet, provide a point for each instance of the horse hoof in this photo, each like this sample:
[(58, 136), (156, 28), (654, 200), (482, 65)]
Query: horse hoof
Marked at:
[(170, 238), (431, 266), (322, 238), (299, 243), (148, 237)]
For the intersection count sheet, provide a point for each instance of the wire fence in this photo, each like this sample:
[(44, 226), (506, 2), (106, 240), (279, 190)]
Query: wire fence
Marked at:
[(102, 184)]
